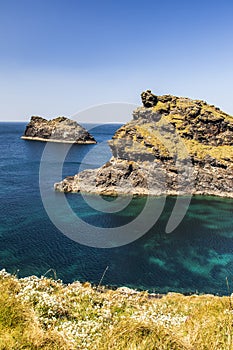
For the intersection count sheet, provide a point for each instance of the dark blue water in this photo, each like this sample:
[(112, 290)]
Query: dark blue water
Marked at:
[(197, 256)]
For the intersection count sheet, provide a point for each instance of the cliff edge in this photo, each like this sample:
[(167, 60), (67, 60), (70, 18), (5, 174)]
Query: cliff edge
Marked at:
[(173, 145), (61, 129)]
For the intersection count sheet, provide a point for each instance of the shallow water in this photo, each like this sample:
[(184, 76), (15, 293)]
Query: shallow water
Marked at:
[(197, 256)]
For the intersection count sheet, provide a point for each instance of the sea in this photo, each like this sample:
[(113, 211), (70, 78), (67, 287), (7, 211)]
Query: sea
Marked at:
[(35, 236)]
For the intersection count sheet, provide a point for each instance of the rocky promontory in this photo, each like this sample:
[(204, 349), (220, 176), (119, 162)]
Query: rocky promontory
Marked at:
[(173, 145), (61, 129)]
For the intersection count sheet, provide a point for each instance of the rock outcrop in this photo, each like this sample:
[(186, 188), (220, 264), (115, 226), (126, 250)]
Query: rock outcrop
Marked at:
[(60, 129), (173, 145)]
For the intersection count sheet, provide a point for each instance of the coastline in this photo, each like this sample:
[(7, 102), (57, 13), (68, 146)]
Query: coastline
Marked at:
[(29, 138), (145, 193)]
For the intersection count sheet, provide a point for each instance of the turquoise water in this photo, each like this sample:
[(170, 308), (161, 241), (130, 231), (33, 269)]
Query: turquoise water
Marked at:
[(197, 256)]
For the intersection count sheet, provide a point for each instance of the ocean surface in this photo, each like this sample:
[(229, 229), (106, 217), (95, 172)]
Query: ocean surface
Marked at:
[(196, 257)]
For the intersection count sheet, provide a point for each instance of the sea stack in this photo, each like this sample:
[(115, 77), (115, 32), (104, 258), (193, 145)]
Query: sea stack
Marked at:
[(61, 129), (173, 146)]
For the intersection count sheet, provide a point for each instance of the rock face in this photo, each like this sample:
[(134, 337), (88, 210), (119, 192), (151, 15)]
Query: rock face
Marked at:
[(60, 129), (173, 145)]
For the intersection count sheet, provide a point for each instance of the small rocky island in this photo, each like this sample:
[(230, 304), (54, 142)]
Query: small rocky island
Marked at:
[(61, 129), (173, 145)]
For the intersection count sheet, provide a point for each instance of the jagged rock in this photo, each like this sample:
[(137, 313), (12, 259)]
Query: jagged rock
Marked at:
[(60, 129), (173, 145), (148, 99)]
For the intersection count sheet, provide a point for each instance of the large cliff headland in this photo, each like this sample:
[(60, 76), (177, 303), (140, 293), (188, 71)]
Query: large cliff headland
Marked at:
[(60, 129), (173, 145)]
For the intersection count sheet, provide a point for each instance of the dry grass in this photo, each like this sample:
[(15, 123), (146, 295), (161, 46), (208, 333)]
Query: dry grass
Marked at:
[(19, 325), (40, 313)]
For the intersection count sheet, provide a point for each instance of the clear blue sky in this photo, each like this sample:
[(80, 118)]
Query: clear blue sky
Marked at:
[(61, 56)]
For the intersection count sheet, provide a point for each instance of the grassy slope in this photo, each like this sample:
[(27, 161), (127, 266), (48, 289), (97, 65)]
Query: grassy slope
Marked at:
[(45, 314)]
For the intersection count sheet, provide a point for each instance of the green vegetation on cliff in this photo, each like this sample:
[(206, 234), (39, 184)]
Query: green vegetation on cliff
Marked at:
[(172, 146), (204, 130), (41, 313)]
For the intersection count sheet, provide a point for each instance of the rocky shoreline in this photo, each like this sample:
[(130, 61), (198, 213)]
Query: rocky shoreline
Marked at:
[(172, 146), (58, 130), (30, 138)]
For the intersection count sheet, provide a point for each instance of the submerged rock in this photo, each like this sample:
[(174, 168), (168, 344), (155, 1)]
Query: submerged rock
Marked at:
[(60, 129), (173, 145)]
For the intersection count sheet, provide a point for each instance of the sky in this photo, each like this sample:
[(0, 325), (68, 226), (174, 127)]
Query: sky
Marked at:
[(60, 57)]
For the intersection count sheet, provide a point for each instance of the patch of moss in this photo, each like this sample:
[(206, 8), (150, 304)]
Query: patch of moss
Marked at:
[(162, 106), (220, 153)]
